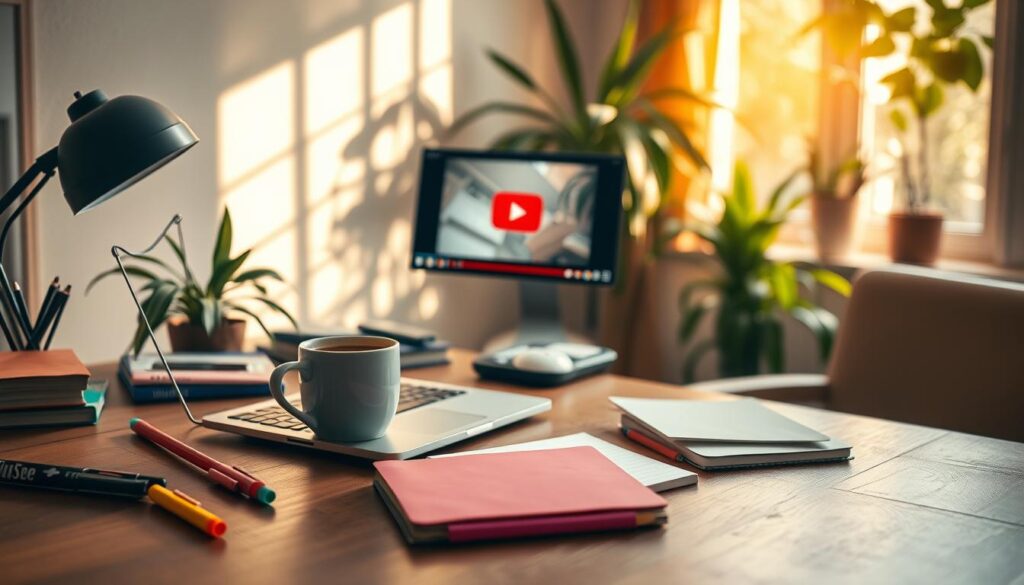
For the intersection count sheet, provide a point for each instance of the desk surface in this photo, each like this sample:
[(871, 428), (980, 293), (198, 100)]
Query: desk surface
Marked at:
[(915, 505)]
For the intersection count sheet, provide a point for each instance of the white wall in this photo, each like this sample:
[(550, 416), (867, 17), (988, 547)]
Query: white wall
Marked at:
[(291, 102)]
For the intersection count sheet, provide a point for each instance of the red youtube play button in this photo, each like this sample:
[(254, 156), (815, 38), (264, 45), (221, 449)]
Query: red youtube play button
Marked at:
[(517, 212)]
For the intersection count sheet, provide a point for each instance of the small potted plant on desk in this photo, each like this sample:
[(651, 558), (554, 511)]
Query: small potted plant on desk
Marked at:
[(196, 315), (943, 54), (834, 204), (751, 292)]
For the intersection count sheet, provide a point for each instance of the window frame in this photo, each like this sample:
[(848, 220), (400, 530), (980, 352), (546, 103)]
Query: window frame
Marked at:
[(1001, 240)]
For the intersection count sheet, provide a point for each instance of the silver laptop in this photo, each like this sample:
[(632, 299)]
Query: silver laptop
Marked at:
[(430, 415)]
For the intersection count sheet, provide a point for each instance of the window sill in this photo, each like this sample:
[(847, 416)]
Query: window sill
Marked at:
[(865, 260)]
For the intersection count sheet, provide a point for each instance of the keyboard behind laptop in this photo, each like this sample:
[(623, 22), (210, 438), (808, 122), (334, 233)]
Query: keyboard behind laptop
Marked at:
[(410, 396)]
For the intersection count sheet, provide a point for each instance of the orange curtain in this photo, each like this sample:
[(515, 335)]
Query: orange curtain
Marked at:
[(683, 64)]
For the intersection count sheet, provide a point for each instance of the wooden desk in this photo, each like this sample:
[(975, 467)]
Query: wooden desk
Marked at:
[(916, 505)]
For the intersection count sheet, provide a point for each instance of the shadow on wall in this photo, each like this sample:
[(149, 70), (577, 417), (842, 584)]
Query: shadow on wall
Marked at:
[(316, 158)]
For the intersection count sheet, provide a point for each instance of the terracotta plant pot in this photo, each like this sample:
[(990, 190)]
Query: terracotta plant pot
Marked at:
[(228, 336), (835, 226), (914, 238)]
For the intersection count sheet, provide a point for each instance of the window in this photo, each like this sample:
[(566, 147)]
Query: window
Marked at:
[(773, 79), (957, 133)]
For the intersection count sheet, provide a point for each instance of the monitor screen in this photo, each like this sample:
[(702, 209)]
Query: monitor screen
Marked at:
[(528, 215)]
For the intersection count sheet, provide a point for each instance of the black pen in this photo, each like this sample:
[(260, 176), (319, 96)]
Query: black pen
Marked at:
[(76, 479)]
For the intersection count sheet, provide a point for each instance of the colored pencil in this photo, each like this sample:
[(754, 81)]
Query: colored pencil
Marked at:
[(19, 303), (46, 312), (62, 299)]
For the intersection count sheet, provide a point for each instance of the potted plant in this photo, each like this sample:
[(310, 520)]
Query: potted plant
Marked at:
[(834, 204), (198, 316), (618, 116), (751, 292)]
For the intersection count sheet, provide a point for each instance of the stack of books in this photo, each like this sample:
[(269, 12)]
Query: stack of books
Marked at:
[(47, 388), (413, 355), (724, 434), (199, 376)]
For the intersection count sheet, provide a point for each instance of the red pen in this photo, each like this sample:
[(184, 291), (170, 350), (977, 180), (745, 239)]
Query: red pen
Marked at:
[(651, 444), (233, 478)]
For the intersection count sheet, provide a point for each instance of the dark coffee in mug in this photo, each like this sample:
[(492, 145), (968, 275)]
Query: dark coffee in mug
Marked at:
[(348, 347)]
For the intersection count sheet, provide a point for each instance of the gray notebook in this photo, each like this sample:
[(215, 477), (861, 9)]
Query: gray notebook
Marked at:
[(717, 421), (721, 456)]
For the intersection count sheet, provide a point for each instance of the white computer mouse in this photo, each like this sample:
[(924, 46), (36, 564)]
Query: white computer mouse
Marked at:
[(543, 361)]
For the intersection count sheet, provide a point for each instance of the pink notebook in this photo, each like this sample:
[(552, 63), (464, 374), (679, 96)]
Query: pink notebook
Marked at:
[(507, 495)]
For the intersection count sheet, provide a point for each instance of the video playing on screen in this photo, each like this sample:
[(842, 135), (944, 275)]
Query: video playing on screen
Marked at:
[(518, 211)]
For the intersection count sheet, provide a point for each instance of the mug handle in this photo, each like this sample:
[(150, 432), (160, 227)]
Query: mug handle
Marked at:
[(277, 391)]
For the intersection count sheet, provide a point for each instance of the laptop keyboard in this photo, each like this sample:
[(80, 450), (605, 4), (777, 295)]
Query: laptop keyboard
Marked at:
[(410, 396)]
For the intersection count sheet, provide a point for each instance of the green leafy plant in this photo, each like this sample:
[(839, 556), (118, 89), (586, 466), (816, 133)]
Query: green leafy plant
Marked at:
[(841, 181), (751, 292), (619, 116), (940, 52), (177, 292)]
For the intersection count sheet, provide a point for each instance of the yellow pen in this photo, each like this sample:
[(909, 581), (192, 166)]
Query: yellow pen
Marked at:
[(187, 509)]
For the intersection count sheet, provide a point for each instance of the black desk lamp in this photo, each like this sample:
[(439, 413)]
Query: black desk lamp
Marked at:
[(109, 146)]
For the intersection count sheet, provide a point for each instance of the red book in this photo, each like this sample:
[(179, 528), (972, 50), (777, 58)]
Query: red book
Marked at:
[(512, 495)]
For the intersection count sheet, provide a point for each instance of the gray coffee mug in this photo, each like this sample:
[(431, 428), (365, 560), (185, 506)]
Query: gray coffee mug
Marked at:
[(349, 386)]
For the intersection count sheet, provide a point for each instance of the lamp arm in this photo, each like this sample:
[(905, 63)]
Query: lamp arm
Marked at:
[(19, 209), (118, 252), (45, 164)]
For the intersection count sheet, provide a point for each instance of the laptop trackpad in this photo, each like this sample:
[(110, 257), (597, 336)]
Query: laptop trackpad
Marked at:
[(432, 421)]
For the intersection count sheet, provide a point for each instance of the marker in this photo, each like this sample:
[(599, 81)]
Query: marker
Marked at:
[(233, 478), (188, 510), (651, 444), (84, 480)]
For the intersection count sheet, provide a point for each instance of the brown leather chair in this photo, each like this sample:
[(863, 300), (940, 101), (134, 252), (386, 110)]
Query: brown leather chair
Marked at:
[(919, 346)]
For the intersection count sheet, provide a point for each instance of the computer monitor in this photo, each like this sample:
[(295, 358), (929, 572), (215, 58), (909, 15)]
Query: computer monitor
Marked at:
[(547, 216)]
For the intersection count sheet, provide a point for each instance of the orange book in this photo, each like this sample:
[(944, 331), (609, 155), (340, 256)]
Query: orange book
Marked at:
[(56, 371)]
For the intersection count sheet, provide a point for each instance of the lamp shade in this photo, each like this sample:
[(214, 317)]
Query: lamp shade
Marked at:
[(112, 144)]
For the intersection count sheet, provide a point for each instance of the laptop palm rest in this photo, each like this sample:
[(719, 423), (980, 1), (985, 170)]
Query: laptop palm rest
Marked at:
[(432, 421)]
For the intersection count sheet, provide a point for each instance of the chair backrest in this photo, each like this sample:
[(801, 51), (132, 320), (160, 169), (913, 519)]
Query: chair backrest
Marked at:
[(933, 348)]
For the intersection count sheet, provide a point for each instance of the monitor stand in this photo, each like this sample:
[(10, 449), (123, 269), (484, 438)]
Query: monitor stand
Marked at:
[(539, 319)]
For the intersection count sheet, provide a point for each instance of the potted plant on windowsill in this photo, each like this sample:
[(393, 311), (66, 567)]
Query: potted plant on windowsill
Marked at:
[(751, 292), (834, 204), (197, 316), (941, 52)]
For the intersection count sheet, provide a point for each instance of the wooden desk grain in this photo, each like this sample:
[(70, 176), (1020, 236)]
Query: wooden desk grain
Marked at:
[(915, 505)]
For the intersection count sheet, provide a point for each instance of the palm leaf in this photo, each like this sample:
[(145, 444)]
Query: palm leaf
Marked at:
[(255, 317), (223, 272), (512, 70), (256, 274), (683, 94), (155, 307), (623, 48), (832, 280), (222, 249), (779, 191), (742, 191), (502, 108), (693, 316), (628, 82), (568, 62), (810, 319), (523, 139), (675, 133), (278, 308), (132, 270)]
